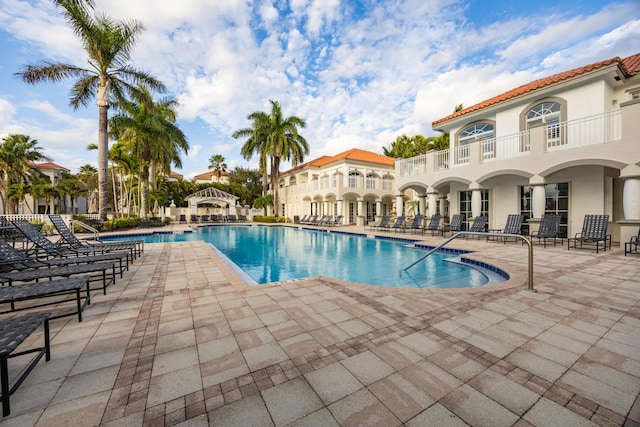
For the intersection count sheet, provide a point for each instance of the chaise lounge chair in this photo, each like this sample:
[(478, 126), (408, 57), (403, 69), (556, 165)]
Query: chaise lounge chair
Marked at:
[(455, 225), (14, 332), (631, 247), (594, 231), (512, 226), (479, 225), (136, 247), (399, 224), (434, 225), (416, 224), (383, 223), (549, 226)]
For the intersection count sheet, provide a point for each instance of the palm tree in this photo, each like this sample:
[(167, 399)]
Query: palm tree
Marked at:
[(88, 175), (17, 153), (216, 162), (148, 129), (263, 202), (108, 45), (277, 137), (256, 144)]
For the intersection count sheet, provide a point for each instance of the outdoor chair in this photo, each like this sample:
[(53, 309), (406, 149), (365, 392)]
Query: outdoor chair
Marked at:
[(136, 247), (434, 224), (399, 224), (594, 232), (204, 219), (479, 225), (63, 287), (416, 224), (182, 219), (631, 247), (549, 226), (14, 332), (326, 220), (193, 219), (512, 226), (53, 250), (337, 221), (231, 218), (455, 225), (383, 222)]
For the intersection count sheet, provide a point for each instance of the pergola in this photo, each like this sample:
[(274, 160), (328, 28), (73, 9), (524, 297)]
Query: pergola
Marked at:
[(210, 195)]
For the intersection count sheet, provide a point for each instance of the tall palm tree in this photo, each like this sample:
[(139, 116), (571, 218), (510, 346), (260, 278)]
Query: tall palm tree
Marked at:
[(216, 162), (149, 131), (108, 45), (256, 143), (17, 153), (278, 137)]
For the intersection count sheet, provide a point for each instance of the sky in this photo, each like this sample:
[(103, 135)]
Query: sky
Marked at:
[(359, 72)]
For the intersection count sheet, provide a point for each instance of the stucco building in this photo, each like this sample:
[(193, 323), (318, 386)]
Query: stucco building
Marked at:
[(357, 184), (567, 144)]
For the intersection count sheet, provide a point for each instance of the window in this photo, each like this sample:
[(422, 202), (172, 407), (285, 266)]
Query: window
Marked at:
[(370, 183), (547, 113), (353, 179), (484, 132), (556, 202), (387, 182), (465, 203)]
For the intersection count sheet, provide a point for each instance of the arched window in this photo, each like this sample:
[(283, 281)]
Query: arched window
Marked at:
[(370, 182), (550, 114), (481, 131), (354, 177)]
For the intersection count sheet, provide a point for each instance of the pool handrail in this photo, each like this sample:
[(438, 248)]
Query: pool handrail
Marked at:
[(475, 233)]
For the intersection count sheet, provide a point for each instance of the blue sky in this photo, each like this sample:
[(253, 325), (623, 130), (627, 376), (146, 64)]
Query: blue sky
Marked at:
[(359, 72)]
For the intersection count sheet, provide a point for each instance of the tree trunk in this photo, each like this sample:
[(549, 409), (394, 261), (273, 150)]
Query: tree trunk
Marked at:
[(143, 192), (275, 178), (103, 149)]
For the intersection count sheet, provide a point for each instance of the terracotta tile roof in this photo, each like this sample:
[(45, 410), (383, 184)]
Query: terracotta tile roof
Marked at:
[(49, 165), (173, 174), (353, 154), (629, 66), (207, 175)]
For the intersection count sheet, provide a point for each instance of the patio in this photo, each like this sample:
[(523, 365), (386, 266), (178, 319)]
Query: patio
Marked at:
[(181, 340)]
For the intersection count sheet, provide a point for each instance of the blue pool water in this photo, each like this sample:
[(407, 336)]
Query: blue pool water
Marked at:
[(274, 254)]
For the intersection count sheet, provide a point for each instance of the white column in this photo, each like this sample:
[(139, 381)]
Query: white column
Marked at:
[(340, 207), (476, 203), (631, 198), (399, 205), (443, 205), (433, 204), (359, 207), (538, 201), (423, 203), (378, 208), (325, 208)]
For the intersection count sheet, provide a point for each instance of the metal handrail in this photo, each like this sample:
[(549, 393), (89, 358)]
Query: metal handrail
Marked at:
[(96, 233), (474, 233)]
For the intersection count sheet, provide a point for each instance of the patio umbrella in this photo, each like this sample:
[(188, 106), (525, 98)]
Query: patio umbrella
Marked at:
[(156, 208)]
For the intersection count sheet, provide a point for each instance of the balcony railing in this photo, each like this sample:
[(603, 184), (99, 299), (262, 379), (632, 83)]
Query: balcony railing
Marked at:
[(598, 129), (333, 183)]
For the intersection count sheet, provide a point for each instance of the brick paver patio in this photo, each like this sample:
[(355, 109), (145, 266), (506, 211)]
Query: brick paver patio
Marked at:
[(181, 340)]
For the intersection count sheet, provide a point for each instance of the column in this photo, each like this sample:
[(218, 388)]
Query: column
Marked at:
[(538, 201), (433, 204), (631, 198), (325, 208), (443, 205), (476, 203), (359, 208), (399, 205), (423, 203), (378, 208), (340, 207)]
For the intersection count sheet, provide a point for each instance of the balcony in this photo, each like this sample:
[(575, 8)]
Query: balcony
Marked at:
[(589, 131)]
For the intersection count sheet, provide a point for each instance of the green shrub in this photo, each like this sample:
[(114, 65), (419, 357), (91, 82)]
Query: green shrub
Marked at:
[(271, 219), (120, 223)]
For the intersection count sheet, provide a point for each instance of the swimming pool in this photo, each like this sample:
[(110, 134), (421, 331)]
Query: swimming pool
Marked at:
[(274, 254)]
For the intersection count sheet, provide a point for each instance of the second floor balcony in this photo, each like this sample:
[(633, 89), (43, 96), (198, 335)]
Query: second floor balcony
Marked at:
[(595, 130)]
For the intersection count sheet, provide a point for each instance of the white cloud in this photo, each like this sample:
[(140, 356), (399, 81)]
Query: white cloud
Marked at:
[(359, 77)]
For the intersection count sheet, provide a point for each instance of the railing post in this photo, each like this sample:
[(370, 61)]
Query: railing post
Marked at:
[(530, 287)]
